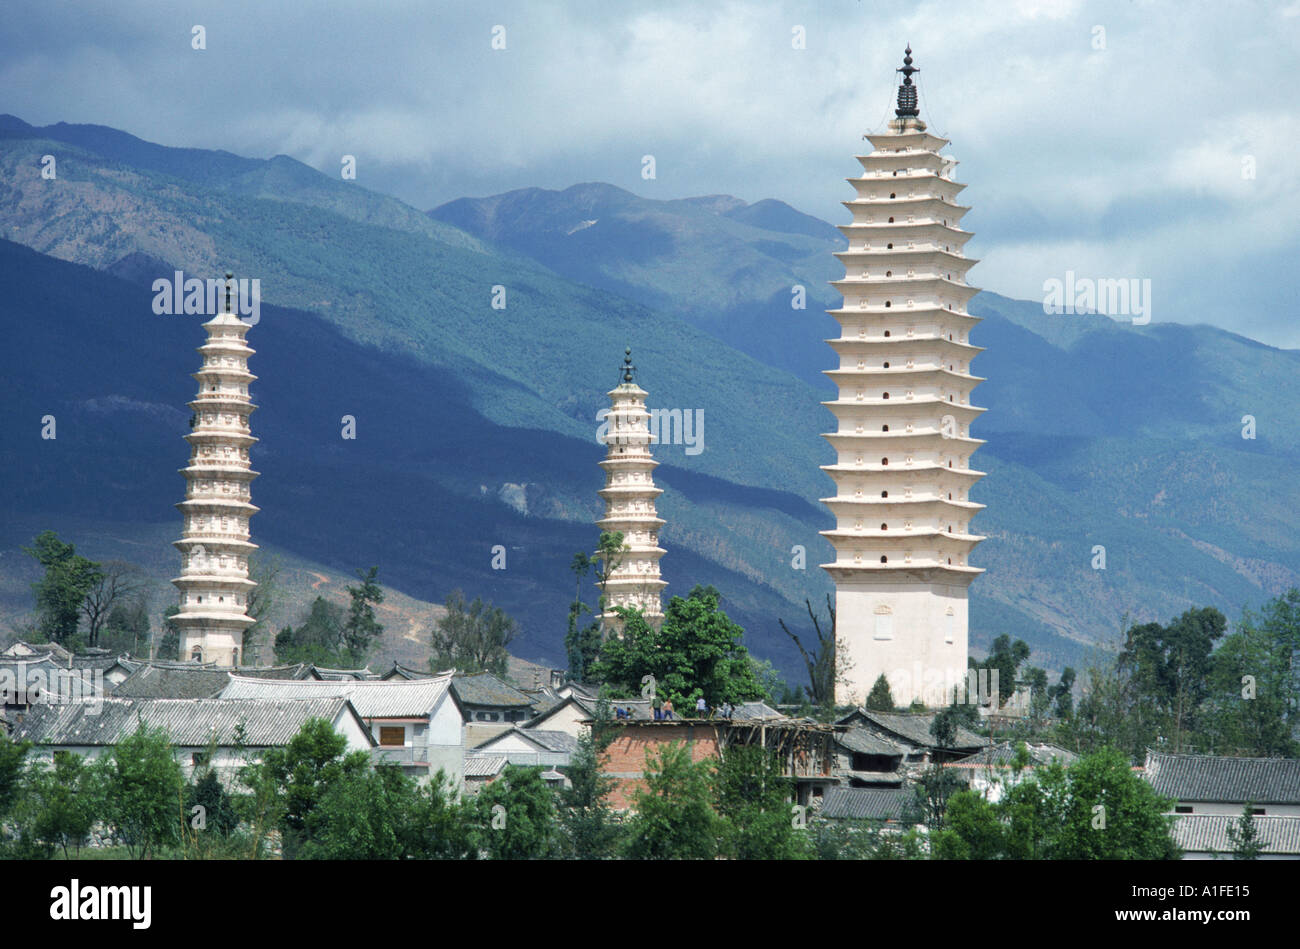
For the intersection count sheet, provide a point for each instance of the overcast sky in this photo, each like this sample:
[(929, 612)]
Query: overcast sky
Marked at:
[(1120, 161)]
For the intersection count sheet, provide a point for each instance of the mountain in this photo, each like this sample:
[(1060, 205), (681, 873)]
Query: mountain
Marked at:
[(475, 425)]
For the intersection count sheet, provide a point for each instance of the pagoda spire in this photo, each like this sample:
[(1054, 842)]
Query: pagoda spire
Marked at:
[(907, 91), (214, 583), (903, 412), (629, 495)]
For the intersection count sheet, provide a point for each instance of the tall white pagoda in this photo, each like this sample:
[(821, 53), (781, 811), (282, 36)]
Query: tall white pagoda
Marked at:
[(629, 495), (214, 583), (902, 472)]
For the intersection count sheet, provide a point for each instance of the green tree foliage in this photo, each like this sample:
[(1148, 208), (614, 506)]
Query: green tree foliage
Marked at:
[(1253, 709), (318, 640), (58, 806), (881, 699), (141, 784), (1061, 695), (60, 593), (1244, 836), (264, 570), (1005, 658), (696, 652), (13, 756), (515, 816), (1097, 809), (300, 774), (218, 812), (752, 798), (674, 819), (581, 642), (361, 628), (169, 643), (589, 831), (472, 637), (1169, 668)]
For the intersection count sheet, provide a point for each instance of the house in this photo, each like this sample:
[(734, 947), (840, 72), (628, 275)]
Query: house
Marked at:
[(889, 805), (160, 679), (1205, 836), (31, 679), (490, 704), (20, 649), (481, 769), (804, 748), (1218, 785), (415, 723), (865, 760), (197, 728), (532, 746), (911, 731), (992, 769)]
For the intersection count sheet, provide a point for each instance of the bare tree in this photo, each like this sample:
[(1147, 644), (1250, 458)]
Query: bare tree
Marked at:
[(117, 583), (823, 671)]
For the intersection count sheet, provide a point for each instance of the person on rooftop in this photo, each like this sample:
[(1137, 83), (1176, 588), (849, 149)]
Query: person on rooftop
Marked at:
[(701, 708)]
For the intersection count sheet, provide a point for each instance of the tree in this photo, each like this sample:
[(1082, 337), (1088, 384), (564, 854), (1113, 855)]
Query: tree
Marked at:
[(114, 584), (1005, 659), (1170, 668), (881, 698), (1244, 835), (13, 755), (673, 819), (695, 653), (318, 640), (302, 772), (752, 798), (1061, 695), (264, 570), (68, 579), (141, 787), (1252, 709), (606, 560), (363, 816), (971, 830), (933, 787), (581, 643), (472, 637), (516, 816), (60, 803), (127, 626), (169, 644), (823, 669), (588, 828), (361, 627)]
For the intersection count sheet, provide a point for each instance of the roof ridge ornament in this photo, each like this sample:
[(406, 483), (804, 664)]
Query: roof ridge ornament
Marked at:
[(628, 370), (907, 92)]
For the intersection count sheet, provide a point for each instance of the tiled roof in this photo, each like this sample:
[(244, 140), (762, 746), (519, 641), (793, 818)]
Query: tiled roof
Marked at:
[(1209, 833), (866, 803), (190, 722), (863, 741), (18, 648), (1003, 755), (172, 682), (754, 711), (483, 765), (372, 698), (483, 688), (1211, 778), (360, 675), (558, 742), (916, 729)]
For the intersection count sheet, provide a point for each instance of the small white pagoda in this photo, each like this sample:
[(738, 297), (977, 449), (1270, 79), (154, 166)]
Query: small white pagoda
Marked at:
[(214, 582), (902, 442), (629, 495)]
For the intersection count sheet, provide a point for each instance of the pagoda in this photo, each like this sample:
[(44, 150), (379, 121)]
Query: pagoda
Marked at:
[(214, 583), (903, 412), (629, 495)]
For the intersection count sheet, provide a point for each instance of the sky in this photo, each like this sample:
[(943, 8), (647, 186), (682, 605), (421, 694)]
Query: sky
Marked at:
[(1120, 139)]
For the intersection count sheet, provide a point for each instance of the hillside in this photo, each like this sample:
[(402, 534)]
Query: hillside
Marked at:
[(476, 425)]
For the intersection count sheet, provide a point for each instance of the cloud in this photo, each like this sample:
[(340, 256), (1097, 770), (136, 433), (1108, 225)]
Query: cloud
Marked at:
[(1077, 156)]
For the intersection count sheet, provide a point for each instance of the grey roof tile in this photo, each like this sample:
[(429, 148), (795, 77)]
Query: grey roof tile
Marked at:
[(1213, 778)]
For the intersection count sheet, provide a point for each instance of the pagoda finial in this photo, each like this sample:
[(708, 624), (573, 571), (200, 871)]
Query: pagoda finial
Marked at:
[(907, 92), (628, 370), (229, 276)]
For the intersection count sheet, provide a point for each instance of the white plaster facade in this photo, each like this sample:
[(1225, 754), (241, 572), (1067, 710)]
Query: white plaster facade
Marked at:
[(629, 495), (903, 412), (214, 583)]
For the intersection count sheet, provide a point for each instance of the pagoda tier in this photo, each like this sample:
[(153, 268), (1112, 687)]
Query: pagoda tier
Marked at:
[(903, 412), (214, 583), (629, 495)]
